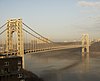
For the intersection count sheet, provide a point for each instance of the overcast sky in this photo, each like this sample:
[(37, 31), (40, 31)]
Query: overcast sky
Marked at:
[(59, 20)]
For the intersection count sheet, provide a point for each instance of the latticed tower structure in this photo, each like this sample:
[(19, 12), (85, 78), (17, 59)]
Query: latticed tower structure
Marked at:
[(15, 25), (85, 43)]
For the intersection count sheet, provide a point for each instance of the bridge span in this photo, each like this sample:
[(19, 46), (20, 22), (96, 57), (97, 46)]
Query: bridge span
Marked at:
[(17, 38)]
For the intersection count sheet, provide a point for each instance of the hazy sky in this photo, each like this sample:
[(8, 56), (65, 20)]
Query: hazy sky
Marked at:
[(58, 20)]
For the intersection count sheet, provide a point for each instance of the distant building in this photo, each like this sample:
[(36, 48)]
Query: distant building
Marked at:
[(11, 68)]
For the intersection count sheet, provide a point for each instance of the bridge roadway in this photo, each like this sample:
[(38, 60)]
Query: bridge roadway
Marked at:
[(53, 48), (44, 49)]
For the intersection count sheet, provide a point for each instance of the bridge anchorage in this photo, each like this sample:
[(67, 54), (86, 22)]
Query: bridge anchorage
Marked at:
[(85, 44)]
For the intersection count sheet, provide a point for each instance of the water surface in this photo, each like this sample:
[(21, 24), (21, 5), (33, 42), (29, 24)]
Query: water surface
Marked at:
[(64, 65)]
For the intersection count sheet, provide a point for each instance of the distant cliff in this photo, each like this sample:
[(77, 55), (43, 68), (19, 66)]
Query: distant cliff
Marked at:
[(95, 47)]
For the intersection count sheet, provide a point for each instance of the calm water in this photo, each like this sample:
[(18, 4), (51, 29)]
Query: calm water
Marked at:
[(65, 65)]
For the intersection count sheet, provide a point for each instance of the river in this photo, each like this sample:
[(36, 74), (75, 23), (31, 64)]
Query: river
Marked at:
[(64, 65)]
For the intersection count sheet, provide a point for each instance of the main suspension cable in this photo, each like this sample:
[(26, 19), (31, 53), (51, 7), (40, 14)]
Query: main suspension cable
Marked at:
[(3, 25), (36, 32), (34, 35), (3, 31)]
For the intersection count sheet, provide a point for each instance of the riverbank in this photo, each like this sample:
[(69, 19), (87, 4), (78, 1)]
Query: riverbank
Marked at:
[(29, 76)]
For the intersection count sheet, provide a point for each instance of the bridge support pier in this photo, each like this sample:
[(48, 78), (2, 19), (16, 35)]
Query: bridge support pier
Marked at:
[(85, 43), (85, 49)]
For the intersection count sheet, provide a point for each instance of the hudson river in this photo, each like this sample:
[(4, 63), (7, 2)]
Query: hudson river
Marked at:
[(64, 65)]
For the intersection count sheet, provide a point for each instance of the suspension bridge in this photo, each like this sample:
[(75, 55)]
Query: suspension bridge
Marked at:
[(17, 38)]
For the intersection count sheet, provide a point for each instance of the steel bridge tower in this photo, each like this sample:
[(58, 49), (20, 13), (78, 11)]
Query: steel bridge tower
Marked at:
[(15, 25), (85, 43)]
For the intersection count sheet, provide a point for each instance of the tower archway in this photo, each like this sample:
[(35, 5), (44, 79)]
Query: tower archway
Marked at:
[(14, 25)]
